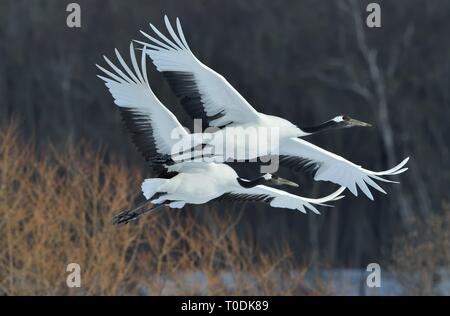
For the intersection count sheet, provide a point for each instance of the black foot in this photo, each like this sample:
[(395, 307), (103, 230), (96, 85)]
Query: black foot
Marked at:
[(125, 217)]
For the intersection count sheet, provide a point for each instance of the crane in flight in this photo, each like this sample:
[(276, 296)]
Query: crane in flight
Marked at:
[(150, 124), (207, 95)]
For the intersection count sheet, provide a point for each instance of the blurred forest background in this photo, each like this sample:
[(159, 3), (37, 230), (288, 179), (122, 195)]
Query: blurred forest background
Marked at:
[(307, 61)]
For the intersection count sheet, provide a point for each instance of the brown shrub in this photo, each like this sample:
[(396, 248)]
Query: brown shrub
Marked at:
[(56, 208), (421, 257)]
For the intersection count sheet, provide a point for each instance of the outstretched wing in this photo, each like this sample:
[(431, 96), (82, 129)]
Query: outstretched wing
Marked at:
[(298, 153), (204, 93), (280, 198), (153, 128)]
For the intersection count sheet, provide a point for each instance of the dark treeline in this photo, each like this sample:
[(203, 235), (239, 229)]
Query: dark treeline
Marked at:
[(304, 60)]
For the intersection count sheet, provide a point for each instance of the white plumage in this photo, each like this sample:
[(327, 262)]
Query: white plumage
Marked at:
[(150, 124), (132, 94), (207, 95)]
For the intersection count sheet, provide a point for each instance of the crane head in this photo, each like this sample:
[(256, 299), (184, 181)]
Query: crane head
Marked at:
[(345, 121)]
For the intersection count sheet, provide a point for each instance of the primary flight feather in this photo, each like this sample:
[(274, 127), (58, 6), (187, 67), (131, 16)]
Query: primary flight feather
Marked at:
[(207, 95)]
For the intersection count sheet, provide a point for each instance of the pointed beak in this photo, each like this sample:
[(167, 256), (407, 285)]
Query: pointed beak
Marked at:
[(353, 122), (281, 181)]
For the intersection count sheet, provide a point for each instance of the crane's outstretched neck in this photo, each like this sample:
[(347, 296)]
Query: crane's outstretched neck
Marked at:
[(341, 121), (331, 124), (267, 179), (252, 183)]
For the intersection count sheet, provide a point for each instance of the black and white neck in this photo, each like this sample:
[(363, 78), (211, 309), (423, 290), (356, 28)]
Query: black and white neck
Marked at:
[(328, 125), (253, 183), (341, 121)]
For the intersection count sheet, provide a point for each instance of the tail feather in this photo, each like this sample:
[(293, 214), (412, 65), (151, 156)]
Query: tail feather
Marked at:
[(151, 186)]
